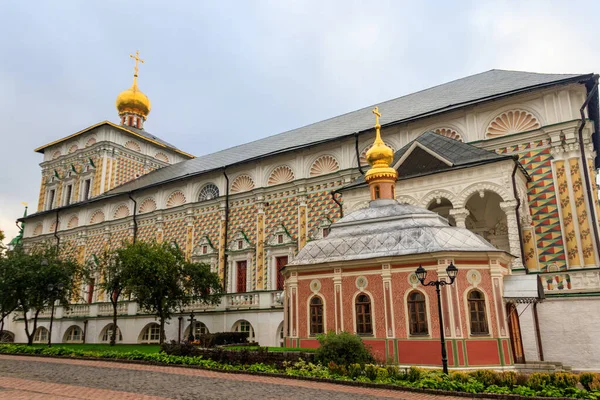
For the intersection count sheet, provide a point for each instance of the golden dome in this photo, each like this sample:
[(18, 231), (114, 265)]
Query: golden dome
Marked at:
[(133, 101), (380, 156)]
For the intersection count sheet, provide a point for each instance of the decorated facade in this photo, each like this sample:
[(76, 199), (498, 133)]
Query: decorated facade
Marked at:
[(525, 182)]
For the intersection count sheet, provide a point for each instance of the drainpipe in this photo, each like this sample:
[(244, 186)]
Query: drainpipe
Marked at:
[(226, 228), (55, 233), (333, 193), (135, 225), (584, 163), (357, 154), (518, 214)]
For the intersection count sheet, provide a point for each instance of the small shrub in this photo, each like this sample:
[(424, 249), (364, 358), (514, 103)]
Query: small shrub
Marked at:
[(210, 340), (564, 379), (371, 371), (538, 380), (462, 377), (590, 381), (485, 376), (343, 349), (414, 374), (506, 378), (355, 370), (521, 379)]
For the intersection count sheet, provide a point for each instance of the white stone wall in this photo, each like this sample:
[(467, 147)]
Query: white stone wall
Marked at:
[(266, 324), (570, 331)]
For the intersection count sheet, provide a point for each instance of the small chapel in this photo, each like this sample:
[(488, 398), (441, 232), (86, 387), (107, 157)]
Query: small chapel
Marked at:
[(323, 227)]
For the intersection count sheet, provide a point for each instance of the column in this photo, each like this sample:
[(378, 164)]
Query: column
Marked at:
[(292, 285), (302, 221), (386, 275), (581, 208), (260, 244), (42, 197), (189, 239), (159, 229), (514, 244), (567, 220), (96, 190), (460, 216), (222, 244), (337, 293)]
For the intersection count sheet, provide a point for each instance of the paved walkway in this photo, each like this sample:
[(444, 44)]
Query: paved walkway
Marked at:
[(51, 378)]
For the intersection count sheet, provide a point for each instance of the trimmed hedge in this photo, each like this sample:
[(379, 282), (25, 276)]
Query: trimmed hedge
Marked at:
[(222, 338), (236, 357)]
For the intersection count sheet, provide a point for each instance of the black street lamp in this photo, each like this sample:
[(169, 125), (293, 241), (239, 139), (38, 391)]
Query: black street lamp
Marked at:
[(55, 292), (452, 271), (191, 336)]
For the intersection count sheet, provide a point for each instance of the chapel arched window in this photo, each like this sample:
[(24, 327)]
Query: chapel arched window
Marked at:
[(316, 316), (364, 325), (417, 312), (477, 313)]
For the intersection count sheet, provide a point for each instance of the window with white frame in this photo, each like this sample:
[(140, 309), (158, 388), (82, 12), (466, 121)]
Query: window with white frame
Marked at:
[(86, 187), (74, 335), (199, 329), (107, 334), (151, 334), (51, 195), (245, 326), (40, 335), (68, 194)]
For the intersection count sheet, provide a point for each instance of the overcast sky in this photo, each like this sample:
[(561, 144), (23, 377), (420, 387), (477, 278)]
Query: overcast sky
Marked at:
[(222, 73)]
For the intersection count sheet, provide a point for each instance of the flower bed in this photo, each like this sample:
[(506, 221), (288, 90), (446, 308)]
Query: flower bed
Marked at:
[(559, 384)]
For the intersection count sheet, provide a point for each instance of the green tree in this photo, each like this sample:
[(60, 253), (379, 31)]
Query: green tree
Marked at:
[(8, 302), (162, 281), (113, 282), (36, 274)]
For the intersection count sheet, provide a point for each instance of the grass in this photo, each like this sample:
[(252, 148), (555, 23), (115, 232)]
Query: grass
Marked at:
[(142, 348), (271, 348)]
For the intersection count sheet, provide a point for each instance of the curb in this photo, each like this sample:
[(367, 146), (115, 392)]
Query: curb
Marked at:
[(369, 385)]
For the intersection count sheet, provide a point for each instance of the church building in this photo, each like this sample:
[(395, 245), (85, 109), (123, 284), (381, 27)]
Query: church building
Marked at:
[(506, 160)]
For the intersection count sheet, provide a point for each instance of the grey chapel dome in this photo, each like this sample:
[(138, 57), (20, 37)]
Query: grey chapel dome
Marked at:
[(388, 228)]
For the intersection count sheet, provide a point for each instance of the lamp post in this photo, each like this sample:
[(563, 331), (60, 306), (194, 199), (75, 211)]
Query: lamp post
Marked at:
[(54, 293), (452, 271), (191, 336)]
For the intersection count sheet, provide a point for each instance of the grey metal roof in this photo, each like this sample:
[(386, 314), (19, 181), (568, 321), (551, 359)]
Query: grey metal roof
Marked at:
[(479, 87), (388, 228)]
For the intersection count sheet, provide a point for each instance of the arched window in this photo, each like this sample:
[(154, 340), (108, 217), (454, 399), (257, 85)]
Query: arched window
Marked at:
[(6, 337), (199, 329), (74, 335), (41, 335), (316, 316), (107, 334), (418, 313), (363, 315), (244, 326), (208, 192), (151, 334), (479, 325)]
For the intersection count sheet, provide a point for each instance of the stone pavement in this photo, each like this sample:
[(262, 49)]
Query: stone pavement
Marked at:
[(50, 378)]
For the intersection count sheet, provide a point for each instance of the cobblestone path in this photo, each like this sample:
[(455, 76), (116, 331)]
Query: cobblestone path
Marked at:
[(47, 378)]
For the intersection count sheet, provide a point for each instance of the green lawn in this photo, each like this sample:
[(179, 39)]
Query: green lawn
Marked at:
[(143, 348)]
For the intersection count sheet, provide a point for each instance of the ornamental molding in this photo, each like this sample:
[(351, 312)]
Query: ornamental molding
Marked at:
[(148, 205), (281, 174), (242, 183), (240, 243), (162, 157), (481, 188), (449, 133), (512, 121), (325, 164), (437, 196), (73, 222), (280, 237), (121, 211), (132, 145), (97, 217), (176, 198)]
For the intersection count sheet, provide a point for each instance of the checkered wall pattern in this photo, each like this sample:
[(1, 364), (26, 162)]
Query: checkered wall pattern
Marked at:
[(175, 230), (537, 162), (207, 222)]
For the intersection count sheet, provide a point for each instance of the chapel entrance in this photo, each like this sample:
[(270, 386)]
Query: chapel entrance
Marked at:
[(242, 269), (515, 333), (280, 262)]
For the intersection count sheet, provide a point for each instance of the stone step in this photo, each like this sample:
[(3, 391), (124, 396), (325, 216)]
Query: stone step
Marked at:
[(543, 366)]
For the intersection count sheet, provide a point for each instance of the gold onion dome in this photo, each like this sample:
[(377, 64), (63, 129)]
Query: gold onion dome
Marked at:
[(133, 100), (380, 156)]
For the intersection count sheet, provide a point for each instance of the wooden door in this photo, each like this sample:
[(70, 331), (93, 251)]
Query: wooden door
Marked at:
[(241, 276), (280, 262), (515, 333)]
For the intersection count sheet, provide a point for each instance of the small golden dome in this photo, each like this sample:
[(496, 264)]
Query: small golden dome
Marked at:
[(133, 101), (380, 155)]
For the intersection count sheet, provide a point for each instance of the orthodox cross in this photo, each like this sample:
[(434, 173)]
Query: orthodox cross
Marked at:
[(137, 59), (376, 112)]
